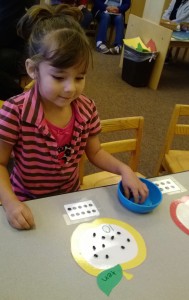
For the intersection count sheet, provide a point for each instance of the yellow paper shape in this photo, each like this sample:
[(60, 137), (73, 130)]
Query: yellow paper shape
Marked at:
[(133, 43)]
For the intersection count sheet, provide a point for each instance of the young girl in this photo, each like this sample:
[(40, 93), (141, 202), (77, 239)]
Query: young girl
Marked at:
[(50, 126)]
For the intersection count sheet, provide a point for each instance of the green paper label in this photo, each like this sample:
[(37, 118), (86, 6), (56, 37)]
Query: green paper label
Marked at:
[(109, 278)]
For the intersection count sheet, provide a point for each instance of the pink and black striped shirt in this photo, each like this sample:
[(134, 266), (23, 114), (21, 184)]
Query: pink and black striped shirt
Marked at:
[(37, 171)]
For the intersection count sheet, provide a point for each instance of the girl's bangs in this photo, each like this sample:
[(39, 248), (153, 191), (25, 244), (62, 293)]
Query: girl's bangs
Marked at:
[(63, 60), (64, 51)]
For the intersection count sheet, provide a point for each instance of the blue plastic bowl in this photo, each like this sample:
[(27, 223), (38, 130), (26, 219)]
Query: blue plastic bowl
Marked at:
[(153, 200)]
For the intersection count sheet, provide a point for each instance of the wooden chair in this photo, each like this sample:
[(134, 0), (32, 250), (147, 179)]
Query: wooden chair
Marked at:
[(24, 81), (1, 103), (175, 160), (131, 145), (29, 85)]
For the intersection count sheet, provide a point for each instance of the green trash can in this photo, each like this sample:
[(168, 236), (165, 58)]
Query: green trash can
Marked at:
[(137, 66)]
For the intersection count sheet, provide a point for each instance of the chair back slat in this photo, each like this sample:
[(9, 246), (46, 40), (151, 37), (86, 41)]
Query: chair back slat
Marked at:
[(131, 145), (182, 129), (120, 146)]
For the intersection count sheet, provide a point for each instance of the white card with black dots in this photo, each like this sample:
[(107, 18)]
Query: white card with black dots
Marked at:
[(81, 210), (169, 185)]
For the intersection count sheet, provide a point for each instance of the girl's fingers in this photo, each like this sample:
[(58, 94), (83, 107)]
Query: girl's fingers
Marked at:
[(127, 192), (138, 194)]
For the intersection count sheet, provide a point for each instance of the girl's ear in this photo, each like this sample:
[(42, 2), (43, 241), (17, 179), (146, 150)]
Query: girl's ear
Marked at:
[(30, 68)]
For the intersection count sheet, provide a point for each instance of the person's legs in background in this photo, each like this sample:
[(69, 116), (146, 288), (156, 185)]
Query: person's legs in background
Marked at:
[(87, 18), (118, 22), (104, 21)]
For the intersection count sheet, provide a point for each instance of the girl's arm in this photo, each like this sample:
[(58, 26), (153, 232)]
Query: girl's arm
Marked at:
[(18, 214), (107, 162)]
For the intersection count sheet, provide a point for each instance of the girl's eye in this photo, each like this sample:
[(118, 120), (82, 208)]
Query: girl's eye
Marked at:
[(80, 78), (57, 77)]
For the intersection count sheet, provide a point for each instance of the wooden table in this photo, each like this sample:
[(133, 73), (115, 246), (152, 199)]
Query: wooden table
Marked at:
[(179, 44), (176, 43), (38, 264)]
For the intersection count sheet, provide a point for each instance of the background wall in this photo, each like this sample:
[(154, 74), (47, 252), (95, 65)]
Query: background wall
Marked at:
[(153, 11), (137, 7), (166, 4)]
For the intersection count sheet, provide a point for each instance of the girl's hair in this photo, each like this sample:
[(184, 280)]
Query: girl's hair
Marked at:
[(54, 34)]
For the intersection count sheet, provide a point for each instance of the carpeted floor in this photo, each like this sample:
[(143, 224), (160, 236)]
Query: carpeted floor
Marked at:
[(115, 98)]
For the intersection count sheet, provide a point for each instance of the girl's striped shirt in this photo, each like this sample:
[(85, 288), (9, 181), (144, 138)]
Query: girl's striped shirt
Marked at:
[(37, 171)]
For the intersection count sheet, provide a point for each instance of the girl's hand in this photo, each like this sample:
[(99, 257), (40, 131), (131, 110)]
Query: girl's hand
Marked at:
[(19, 215), (132, 184)]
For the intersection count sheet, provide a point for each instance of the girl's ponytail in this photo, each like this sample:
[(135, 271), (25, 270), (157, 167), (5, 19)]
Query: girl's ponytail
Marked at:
[(38, 13)]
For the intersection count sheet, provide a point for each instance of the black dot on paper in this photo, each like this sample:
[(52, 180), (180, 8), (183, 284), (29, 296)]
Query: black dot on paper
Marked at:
[(107, 256), (88, 211), (95, 255), (103, 245), (118, 232), (103, 237), (94, 248), (122, 247), (94, 234), (83, 212), (77, 214), (90, 204), (74, 207), (72, 215), (79, 206), (94, 210), (128, 240), (85, 205), (112, 237), (69, 208)]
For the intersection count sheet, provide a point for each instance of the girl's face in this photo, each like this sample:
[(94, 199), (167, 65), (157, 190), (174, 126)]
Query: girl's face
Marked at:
[(60, 86)]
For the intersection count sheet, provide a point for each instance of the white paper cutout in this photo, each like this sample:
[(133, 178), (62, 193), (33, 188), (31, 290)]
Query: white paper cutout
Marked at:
[(179, 210), (182, 212), (81, 210), (169, 185), (107, 245)]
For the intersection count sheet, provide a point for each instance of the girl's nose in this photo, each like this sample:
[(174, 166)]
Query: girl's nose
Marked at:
[(69, 86)]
